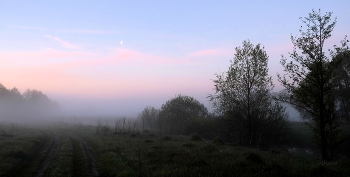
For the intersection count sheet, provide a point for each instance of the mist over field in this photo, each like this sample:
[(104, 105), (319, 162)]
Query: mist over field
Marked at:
[(127, 107), (174, 88), (13, 109)]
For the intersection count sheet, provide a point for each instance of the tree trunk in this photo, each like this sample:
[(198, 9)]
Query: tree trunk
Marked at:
[(323, 139), (250, 127), (324, 149)]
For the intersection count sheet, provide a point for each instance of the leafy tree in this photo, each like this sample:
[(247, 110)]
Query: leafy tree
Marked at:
[(311, 81), (243, 95), (177, 112), (342, 94), (149, 117)]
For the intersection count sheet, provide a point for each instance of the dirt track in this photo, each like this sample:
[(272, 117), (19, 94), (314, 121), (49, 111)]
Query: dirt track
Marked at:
[(92, 162), (59, 153), (83, 160), (49, 155)]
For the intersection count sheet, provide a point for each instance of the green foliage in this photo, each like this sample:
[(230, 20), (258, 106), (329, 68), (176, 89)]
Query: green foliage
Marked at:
[(206, 128), (253, 158), (148, 141), (149, 118), (246, 80), (166, 138), (218, 141), (243, 96), (311, 82), (188, 145), (19, 153), (176, 114), (342, 93), (195, 137), (175, 158), (62, 163), (208, 148), (122, 155)]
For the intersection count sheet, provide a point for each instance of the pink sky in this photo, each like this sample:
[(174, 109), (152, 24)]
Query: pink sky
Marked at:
[(73, 50), (121, 72)]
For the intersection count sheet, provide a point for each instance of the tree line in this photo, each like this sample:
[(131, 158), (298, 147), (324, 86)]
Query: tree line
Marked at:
[(316, 82), (32, 104)]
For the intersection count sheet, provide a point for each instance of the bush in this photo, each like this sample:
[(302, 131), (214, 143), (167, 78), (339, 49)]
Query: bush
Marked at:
[(188, 145), (177, 112), (218, 141), (148, 141), (203, 127), (133, 135), (166, 138), (209, 148), (321, 170), (195, 137), (5, 135), (254, 158)]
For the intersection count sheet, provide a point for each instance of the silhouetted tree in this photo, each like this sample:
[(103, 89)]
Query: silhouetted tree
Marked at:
[(311, 81), (38, 104), (149, 117), (342, 93), (176, 113), (243, 96), (31, 104)]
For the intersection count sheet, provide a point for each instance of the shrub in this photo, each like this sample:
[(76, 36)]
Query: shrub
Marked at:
[(5, 135), (166, 138), (321, 170), (218, 141), (254, 158), (195, 137), (148, 141), (209, 148), (188, 145), (133, 135)]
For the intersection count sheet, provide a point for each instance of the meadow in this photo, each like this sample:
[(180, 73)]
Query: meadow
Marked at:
[(61, 149)]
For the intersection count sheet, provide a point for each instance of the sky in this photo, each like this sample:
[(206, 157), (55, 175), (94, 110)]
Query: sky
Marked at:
[(116, 57)]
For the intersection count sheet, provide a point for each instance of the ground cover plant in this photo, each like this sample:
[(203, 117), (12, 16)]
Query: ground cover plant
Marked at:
[(80, 151), (21, 149)]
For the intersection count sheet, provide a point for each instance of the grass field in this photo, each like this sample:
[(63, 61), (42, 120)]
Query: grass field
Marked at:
[(70, 150)]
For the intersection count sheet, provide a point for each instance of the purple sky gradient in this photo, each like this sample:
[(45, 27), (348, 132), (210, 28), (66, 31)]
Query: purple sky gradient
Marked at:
[(72, 51)]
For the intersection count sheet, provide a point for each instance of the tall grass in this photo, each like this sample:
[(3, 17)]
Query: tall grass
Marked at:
[(144, 155), (19, 148)]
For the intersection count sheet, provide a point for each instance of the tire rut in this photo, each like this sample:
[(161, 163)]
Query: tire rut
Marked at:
[(92, 161), (49, 155), (83, 159)]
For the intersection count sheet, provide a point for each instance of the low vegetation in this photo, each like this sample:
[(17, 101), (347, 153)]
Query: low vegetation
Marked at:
[(144, 155)]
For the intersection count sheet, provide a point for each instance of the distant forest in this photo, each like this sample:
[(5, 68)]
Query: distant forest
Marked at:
[(32, 104)]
